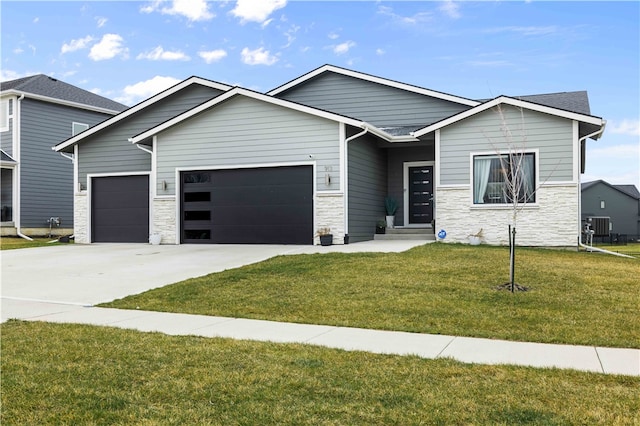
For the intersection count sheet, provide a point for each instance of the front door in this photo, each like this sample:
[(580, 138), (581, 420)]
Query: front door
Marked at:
[(418, 177)]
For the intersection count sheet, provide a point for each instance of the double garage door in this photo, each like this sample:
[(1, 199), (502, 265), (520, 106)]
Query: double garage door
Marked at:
[(242, 206), (248, 206)]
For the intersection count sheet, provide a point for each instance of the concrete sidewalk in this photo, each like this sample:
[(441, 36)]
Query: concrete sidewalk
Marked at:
[(465, 349)]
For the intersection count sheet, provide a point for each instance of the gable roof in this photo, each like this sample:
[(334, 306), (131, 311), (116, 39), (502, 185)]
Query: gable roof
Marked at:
[(629, 190), (49, 89), (519, 103), (140, 106), (238, 91), (371, 78)]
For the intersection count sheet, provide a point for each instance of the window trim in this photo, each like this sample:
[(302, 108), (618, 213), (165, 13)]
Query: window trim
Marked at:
[(500, 206), (4, 115), (73, 127)]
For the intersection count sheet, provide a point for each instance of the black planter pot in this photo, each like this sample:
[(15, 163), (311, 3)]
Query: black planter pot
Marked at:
[(380, 229), (326, 240)]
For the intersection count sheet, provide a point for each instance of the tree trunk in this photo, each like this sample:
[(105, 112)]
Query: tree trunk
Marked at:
[(512, 259)]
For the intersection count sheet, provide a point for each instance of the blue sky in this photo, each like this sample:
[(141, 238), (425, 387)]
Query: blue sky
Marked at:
[(130, 50)]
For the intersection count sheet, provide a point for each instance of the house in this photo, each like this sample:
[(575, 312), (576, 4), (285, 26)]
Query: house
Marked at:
[(37, 112), (620, 204), (203, 162)]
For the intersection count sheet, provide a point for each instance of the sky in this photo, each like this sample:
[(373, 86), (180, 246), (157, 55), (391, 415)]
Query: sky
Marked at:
[(130, 50)]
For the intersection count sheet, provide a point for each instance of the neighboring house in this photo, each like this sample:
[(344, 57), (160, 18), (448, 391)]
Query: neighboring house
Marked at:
[(37, 112), (619, 203), (203, 162)]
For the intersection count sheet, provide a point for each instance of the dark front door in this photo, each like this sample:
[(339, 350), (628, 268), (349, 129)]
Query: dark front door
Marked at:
[(420, 194), (271, 205), (120, 209)]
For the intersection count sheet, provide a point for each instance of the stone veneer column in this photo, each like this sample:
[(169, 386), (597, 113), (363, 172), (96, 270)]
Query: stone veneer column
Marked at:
[(330, 214), (164, 219), (80, 218), (553, 222)]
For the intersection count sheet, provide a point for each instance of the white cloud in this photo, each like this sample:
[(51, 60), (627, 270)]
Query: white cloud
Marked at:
[(333, 35), (145, 89), (256, 10), (290, 34), (6, 74), (211, 56), (109, 47), (36, 20), (76, 44), (417, 18), (380, 52), (258, 56), (193, 10), (18, 50), (624, 127), (159, 54), (449, 8), (101, 21), (343, 48), (525, 31)]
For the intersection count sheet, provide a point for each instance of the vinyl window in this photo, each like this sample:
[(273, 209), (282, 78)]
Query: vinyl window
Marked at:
[(498, 178)]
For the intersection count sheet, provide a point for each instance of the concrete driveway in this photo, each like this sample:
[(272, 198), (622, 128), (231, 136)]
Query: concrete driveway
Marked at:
[(85, 275)]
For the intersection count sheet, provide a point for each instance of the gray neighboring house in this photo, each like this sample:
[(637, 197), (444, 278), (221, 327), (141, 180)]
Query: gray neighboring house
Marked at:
[(37, 112), (620, 203), (203, 162)]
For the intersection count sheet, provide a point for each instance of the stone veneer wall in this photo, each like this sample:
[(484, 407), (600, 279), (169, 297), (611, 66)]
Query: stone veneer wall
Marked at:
[(553, 222), (330, 214), (80, 217), (164, 219)]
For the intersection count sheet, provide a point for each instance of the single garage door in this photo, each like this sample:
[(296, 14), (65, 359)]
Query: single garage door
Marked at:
[(120, 209), (271, 205)]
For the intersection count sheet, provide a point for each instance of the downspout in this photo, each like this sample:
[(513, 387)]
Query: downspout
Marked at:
[(580, 243), (345, 179), (17, 126)]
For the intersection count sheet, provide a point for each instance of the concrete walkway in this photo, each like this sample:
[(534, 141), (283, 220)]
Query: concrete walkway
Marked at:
[(95, 274)]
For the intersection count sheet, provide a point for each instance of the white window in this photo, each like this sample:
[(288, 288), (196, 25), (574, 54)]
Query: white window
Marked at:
[(4, 115), (499, 178), (78, 127)]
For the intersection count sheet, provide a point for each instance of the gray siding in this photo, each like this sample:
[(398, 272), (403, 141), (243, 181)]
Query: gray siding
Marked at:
[(623, 210), (245, 131), (375, 103), (109, 151), (367, 169), (553, 136), (396, 158), (46, 178)]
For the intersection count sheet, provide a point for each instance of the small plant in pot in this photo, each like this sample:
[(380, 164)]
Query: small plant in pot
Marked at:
[(391, 206), (325, 235), (475, 239), (381, 227)]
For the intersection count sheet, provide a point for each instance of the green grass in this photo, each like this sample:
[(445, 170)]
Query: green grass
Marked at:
[(75, 374), (12, 243), (632, 249), (576, 298)]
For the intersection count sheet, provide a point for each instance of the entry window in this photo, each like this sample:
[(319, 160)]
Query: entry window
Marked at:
[(194, 197), (197, 234), (197, 177), (497, 177), (197, 215)]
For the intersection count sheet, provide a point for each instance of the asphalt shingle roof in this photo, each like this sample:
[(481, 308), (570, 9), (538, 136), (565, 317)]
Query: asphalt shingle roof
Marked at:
[(44, 85)]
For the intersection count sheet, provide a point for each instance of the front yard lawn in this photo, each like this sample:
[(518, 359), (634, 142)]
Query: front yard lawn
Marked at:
[(574, 298), (55, 374), (11, 243)]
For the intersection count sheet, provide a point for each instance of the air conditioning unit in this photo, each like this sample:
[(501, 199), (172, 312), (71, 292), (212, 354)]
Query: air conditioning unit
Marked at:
[(600, 225)]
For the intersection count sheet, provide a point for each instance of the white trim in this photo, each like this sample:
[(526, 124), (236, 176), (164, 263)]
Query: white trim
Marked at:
[(342, 138), (373, 79), (513, 102), (437, 159), (90, 177), (16, 155), (497, 153), (405, 182), (238, 91), (76, 173), (61, 102), (455, 186), (576, 150), (148, 102)]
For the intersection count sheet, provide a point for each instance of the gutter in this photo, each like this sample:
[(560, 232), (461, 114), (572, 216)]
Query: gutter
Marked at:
[(16, 128)]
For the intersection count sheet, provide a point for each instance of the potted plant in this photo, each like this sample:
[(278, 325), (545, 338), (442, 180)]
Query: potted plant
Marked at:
[(326, 238), (475, 239), (381, 226), (391, 205)]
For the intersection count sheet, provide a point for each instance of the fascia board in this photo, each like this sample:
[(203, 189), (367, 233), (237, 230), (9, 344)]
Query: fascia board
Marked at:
[(374, 79), (514, 102), (238, 91), (49, 99), (142, 105)]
